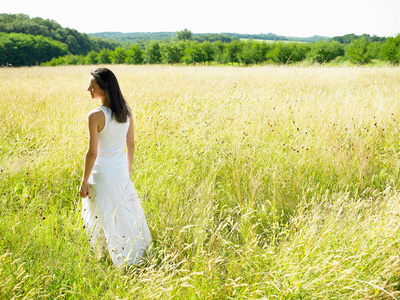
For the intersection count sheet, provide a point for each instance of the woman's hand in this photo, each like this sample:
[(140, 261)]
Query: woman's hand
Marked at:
[(84, 190)]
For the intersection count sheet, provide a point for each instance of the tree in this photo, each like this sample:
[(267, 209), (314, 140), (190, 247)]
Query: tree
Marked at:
[(249, 54), (233, 50), (184, 35), (322, 52), (285, 53), (72, 43), (104, 57), (263, 49), (134, 55), (358, 51), (390, 51), (172, 53), (374, 49), (208, 50), (153, 53), (194, 53), (118, 56), (219, 55), (91, 58)]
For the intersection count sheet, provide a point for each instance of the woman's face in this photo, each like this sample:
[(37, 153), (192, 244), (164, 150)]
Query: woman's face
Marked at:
[(95, 91)]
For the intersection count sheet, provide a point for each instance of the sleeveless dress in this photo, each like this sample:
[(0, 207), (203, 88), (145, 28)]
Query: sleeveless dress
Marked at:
[(112, 214)]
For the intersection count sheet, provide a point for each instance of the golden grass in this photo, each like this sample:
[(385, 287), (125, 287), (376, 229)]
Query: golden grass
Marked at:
[(261, 182)]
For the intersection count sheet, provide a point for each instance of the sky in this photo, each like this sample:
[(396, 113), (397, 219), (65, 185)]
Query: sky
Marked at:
[(300, 18)]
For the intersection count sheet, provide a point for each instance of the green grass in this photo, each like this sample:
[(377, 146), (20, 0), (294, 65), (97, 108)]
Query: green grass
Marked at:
[(260, 182)]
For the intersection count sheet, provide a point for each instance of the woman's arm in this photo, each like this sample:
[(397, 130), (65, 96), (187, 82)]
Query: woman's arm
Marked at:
[(130, 142), (94, 120)]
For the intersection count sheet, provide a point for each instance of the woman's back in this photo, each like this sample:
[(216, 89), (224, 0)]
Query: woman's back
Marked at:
[(111, 143)]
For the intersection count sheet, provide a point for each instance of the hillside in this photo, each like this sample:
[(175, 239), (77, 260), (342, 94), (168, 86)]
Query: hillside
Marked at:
[(77, 43), (142, 37)]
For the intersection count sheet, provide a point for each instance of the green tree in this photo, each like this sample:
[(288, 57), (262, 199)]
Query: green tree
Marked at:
[(390, 51), (194, 53), (104, 57), (134, 55), (153, 53), (75, 60), (248, 53), (357, 51), (173, 52), (263, 49), (184, 35), (286, 53), (374, 49), (322, 52), (220, 53), (92, 58), (233, 50), (118, 56), (253, 52), (72, 43), (208, 50)]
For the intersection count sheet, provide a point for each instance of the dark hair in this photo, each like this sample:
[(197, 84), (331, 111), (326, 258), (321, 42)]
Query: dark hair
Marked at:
[(109, 84)]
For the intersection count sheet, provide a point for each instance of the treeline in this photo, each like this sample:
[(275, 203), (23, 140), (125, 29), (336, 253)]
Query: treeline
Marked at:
[(348, 38), (187, 51), (143, 38), (28, 41), (134, 37), (275, 38), (42, 36)]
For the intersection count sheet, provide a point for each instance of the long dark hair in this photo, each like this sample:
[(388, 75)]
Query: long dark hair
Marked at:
[(109, 84)]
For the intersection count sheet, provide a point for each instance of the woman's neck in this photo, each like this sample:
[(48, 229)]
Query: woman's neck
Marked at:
[(103, 103)]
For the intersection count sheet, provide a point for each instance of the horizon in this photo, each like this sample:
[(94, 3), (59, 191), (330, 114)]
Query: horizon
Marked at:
[(200, 33)]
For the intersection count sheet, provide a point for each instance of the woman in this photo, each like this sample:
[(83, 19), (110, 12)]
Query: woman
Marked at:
[(111, 210)]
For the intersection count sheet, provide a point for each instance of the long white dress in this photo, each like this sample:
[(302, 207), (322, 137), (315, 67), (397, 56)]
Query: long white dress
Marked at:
[(112, 214)]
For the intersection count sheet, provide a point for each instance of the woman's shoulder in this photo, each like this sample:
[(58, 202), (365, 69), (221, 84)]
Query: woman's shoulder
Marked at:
[(96, 110), (96, 114)]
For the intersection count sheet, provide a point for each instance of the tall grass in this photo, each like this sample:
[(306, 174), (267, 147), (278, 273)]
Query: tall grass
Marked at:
[(261, 182)]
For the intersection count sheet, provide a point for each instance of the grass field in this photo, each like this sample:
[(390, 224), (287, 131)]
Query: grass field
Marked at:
[(259, 182)]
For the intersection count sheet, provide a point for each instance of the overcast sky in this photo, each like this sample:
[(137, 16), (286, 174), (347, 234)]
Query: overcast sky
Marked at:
[(282, 17)]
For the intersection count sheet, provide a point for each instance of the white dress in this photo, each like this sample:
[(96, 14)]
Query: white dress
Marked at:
[(112, 213)]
